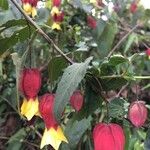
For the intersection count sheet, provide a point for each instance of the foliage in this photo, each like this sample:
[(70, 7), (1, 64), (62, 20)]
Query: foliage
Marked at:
[(109, 66)]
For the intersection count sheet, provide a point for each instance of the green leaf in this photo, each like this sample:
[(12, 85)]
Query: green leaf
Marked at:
[(19, 36), (113, 83), (116, 108), (4, 4), (54, 64), (117, 59), (75, 130), (71, 78), (12, 23), (15, 141), (131, 39), (106, 39), (92, 101)]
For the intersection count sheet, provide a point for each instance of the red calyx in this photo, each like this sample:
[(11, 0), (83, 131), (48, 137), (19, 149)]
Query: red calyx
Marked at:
[(30, 82), (148, 52), (76, 100), (33, 3), (56, 3), (133, 7), (92, 23), (46, 107), (108, 137), (138, 113), (58, 17)]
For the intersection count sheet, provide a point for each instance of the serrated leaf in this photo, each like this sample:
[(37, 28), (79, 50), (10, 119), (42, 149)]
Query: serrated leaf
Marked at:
[(116, 108), (12, 23), (19, 36), (106, 39), (71, 78), (4, 4), (131, 39), (113, 83), (75, 130), (117, 59), (57, 62)]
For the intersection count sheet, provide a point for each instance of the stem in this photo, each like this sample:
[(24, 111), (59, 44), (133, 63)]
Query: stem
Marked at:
[(121, 76), (119, 43), (24, 141), (48, 39)]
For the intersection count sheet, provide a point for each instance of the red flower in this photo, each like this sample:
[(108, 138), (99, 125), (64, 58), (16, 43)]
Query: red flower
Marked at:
[(33, 3), (53, 133), (46, 107), (92, 23), (133, 7), (58, 17), (108, 137), (138, 113), (30, 82), (148, 52), (56, 3), (76, 100)]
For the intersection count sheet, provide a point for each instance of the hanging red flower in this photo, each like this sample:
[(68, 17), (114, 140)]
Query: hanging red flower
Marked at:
[(30, 83), (133, 7), (53, 133), (29, 7), (56, 3), (76, 100), (108, 137), (148, 52), (138, 113), (91, 22)]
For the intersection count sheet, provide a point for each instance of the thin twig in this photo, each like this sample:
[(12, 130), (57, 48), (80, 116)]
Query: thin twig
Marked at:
[(121, 90), (119, 43), (23, 141), (49, 40), (38, 133)]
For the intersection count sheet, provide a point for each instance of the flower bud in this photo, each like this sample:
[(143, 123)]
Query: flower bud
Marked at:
[(138, 113), (30, 82), (56, 3), (148, 52), (133, 7), (108, 137), (46, 107), (92, 23), (76, 100)]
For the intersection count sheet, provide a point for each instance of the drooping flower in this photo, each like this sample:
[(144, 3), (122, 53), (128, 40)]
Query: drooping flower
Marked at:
[(92, 23), (76, 100), (138, 113), (108, 137), (29, 6), (57, 15), (57, 19), (148, 52), (30, 83), (56, 3), (133, 7), (53, 133)]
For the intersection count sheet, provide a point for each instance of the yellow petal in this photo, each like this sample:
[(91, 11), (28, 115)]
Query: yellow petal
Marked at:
[(93, 1), (27, 8), (34, 12), (29, 108), (53, 137), (55, 10), (56, 26)]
